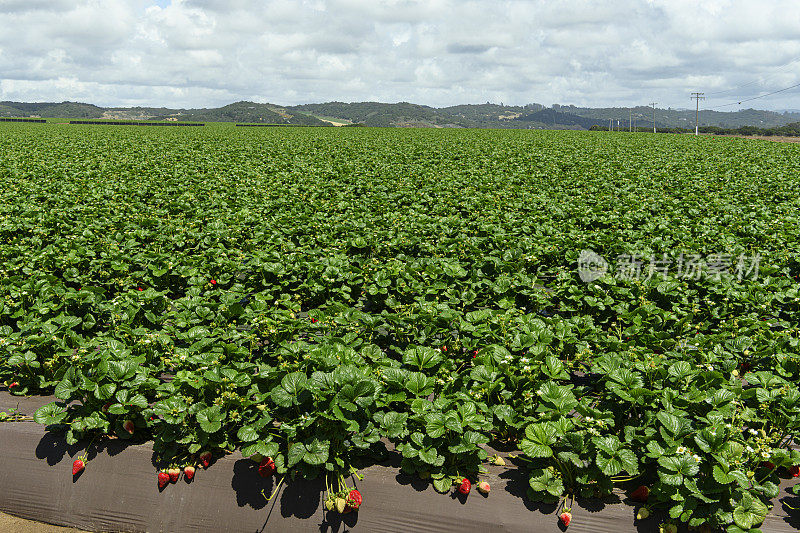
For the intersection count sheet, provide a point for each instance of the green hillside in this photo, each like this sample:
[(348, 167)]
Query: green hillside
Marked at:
[(377, 113), (405, 114), (48, 109), (684, 118), (245, 112)]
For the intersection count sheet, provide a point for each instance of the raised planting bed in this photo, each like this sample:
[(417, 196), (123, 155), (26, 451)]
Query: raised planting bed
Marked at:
[(118, 491), (29, 120)]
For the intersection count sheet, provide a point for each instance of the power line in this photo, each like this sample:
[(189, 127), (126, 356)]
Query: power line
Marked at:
[(756, 97), (698, 97), (793, 61), (735, 88), (654, 115)]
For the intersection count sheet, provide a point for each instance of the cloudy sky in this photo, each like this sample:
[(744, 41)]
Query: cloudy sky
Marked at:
[(195, 53)]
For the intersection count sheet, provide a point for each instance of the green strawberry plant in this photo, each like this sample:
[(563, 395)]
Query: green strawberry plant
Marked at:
[(323, 298)]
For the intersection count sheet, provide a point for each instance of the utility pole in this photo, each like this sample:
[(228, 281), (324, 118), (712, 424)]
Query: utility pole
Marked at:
[(630, 120), (654, 115), (698, 97)]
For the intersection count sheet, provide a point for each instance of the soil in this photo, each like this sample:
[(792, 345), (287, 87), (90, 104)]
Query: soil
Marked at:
[(18, 525)]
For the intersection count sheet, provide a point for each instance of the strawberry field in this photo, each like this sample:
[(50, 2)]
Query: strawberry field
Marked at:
[(320, 299)]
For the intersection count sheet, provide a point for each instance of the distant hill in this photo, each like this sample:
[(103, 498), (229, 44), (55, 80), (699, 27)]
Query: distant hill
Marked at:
[(376, 113), (551, 116), (536, 116), (683, 118), (237, 112), (244, 112), (61, 110), (405, 114)]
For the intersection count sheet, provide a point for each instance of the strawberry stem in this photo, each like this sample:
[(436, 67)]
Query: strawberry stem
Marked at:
[(355, 473), (274, 492), (620, 479)]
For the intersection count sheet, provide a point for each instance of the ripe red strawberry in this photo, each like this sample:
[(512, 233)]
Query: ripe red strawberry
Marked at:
[(267, 467), (213, 282), (174, 473), (354, 500), (444, 348), (128, 426), (188, 473), (77, 466), (205, 459), (484, 487), (163, 479), (794, 471), (566, 518), (139, 289), (474, 354), (465, 486), (640, 494), (14, 384), (313, 320)]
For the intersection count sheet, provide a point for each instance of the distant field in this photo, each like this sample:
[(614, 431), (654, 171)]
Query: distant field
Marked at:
[(767, 138), (310, 294)]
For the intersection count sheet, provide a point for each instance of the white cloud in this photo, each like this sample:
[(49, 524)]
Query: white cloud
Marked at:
[(438, 52)]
